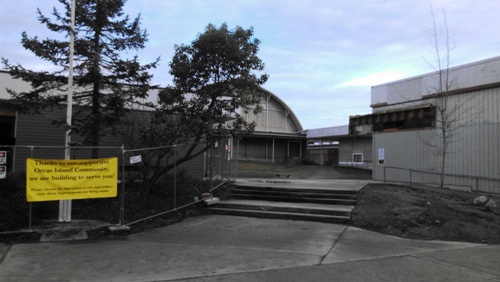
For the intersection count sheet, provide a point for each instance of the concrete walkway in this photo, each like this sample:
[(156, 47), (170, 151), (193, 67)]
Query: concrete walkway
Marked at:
[(229, 248)]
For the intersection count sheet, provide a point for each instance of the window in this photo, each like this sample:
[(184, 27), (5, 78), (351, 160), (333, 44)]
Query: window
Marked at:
[(357, 158)]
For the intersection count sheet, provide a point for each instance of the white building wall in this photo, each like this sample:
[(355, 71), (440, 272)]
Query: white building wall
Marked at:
[(7, 82), (474, 148), (414, 88)]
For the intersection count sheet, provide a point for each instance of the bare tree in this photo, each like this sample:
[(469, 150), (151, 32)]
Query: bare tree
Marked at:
[(450, 115)]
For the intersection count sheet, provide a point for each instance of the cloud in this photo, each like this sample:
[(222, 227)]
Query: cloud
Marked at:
[(374, 79)]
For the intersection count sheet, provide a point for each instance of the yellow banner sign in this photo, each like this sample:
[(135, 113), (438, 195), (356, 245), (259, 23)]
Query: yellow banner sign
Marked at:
[(50, 180)]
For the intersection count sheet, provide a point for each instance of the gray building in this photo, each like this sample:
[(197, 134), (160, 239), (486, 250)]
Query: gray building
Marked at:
[(278, 136), (340, 146), (406, 125)]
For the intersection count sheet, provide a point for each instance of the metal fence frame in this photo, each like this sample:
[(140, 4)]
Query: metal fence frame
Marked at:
[(411, 171), (224, 164), (36, 149), (222, 161)]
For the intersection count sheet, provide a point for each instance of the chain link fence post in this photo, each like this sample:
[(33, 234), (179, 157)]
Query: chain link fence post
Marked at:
[(121, 215), (175, 176), (30, 224), (229, 156)]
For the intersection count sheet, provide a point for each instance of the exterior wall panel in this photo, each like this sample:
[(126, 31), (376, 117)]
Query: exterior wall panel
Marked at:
[(37, 129), (357, 145), (465, 76), (473, 150)]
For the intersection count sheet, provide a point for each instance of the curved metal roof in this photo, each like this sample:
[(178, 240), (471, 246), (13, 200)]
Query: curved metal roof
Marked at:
[(292, 115)]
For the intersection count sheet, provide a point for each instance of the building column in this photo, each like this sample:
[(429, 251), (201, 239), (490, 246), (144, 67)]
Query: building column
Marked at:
[(273, 150)]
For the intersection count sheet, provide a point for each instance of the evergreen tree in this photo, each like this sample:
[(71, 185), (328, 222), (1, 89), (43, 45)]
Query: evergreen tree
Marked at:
[(222, 74), (105, 84)]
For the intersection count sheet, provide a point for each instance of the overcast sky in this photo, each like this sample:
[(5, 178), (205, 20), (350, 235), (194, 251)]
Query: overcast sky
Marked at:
[(322, 56)]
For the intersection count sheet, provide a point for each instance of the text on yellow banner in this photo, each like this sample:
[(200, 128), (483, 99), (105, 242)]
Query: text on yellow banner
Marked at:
[(50, 180)]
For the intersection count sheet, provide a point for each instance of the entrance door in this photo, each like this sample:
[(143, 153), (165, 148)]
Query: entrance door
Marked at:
[(295, 149)]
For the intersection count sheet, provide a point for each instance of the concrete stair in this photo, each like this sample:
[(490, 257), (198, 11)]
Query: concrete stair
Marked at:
[(304, 195), (289, 201)]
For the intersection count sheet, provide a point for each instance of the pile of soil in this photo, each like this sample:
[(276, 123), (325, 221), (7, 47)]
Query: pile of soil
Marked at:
[(425, 213)]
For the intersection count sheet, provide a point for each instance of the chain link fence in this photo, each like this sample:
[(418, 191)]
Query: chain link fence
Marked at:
[(150, 193), (150, 184), (17, 214)]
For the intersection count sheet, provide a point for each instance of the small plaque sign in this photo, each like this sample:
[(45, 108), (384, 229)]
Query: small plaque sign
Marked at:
[(3, 172), (3, 157), (135, 159)]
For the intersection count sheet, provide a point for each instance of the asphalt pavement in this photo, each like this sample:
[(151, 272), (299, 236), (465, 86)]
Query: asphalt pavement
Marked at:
[(230, 248)]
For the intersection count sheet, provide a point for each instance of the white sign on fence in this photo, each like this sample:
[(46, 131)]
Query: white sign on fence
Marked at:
[(3, 172), (135, 159), (3, 157)]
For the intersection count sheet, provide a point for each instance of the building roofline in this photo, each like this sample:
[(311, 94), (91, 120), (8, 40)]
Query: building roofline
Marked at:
[(282, 103), (436, 72)]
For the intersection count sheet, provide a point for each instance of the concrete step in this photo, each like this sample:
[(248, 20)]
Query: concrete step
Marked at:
[(270, 206), (294, 193), (295, 199), (284, 210), (295, 189), (291, 199), (282, 215)]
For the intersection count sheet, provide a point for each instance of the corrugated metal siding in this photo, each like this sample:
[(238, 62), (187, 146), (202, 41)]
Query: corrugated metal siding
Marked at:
[(404, 149), (474, 150), (357, 145), (37, 129)]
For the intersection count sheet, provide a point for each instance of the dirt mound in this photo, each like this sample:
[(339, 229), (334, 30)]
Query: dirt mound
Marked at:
[(425, 213)]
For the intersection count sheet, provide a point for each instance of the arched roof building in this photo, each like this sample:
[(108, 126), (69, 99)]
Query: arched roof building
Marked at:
[(276, 115), (278, 136)]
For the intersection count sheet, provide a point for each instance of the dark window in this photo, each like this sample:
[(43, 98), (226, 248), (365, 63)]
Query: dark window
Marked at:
[(357, 158)]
